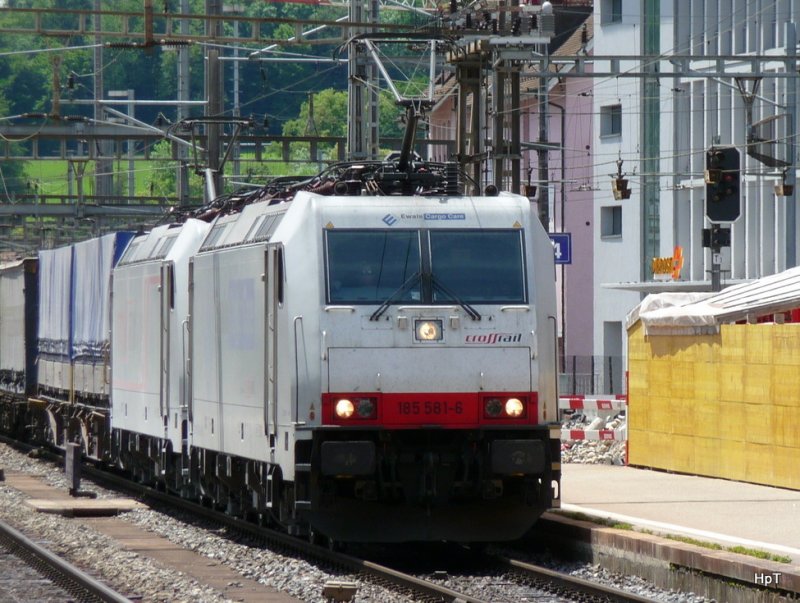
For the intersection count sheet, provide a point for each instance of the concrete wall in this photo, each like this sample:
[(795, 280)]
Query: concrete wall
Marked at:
[(723, 405)]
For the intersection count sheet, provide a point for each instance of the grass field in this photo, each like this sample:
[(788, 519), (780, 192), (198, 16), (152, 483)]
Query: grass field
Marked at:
[(152, 178)]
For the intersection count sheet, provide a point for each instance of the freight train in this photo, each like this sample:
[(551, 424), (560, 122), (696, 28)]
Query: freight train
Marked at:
[(365, 355)]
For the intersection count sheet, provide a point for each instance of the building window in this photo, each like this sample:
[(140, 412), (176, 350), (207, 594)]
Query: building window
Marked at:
[(611, 221), (611, 120), (612, 11)]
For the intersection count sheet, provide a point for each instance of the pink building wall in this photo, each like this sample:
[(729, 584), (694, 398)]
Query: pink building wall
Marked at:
[(572, 203), (571, 212)]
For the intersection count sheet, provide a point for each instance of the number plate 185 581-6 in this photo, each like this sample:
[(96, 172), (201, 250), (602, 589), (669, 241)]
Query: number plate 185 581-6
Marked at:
[(427, 408)]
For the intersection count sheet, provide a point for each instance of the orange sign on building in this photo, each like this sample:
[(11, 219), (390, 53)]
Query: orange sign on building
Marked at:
[(668, 267)]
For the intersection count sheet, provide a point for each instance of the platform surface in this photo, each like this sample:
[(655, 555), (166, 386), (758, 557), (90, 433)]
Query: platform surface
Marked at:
[(84, 507), (708, 509)]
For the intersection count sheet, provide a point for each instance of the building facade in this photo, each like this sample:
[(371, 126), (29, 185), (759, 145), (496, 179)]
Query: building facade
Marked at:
[(674, 79)]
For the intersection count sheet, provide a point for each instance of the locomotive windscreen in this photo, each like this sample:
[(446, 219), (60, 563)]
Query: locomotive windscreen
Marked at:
[(425, 266), (367, 266), (477, 266)]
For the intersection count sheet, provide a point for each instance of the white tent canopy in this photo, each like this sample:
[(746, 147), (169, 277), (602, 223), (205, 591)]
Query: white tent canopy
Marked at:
[(698, 313)]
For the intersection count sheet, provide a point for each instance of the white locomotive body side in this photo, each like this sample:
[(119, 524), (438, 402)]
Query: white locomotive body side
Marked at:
[(149, 326), (230, 282), (273, 348)]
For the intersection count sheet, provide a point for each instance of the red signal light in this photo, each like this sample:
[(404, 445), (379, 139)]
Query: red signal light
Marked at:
[(722, 178)]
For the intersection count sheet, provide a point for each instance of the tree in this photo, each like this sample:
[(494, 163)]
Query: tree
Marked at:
[(329, 119), (12, 178)]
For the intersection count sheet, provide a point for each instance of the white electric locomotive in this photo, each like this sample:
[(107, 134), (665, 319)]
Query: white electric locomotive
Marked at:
[(431, 352), (367, 355)]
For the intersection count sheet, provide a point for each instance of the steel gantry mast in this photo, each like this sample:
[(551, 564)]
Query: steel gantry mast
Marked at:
[(498, 46), (362, 86), (492, 45)]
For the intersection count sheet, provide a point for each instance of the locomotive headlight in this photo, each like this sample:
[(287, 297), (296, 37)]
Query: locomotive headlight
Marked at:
[(354, 408), (344, 408), (514, 407), (499, 407), (428, 330)]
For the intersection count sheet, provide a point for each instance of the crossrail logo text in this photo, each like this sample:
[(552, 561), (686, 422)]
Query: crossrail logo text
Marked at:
[(494, 338)]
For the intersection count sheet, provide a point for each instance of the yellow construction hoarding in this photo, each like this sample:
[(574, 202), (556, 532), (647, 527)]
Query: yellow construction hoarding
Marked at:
[(724, 405)]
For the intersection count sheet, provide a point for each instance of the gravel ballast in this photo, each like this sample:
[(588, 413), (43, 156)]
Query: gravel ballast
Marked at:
[(134, 574)]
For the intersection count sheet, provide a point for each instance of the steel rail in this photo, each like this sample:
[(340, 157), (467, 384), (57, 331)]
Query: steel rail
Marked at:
[(571, 583), (66, 575), (543, 578), (550, 578), (427, 590)]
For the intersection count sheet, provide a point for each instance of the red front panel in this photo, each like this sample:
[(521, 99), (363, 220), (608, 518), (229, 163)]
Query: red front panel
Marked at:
[(429, 409), (460, 410)]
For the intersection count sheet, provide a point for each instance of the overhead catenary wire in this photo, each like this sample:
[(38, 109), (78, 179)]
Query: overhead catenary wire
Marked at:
[(600, 159), (8, 53)]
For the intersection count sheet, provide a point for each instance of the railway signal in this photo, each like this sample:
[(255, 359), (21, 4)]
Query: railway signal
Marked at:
[(722, 184), (619, 185)]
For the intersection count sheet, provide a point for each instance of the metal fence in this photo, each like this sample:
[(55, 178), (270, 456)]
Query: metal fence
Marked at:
[(582, 375)]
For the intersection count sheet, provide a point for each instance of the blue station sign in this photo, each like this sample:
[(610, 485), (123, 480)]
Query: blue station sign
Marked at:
[(562, 246)]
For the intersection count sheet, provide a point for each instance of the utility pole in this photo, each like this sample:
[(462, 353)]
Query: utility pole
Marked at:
[(650, 135), (506, 101), (214, 94), (469, 142), (499, 102), (182, 177), (543, 190), (130, 98), (236, 8), (512, 31), (362, 85), (103, 180), (716, 238), (790, 174), (716, 269)]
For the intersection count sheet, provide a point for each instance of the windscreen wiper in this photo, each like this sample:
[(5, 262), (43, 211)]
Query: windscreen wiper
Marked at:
[(404, 288), (473, 313)]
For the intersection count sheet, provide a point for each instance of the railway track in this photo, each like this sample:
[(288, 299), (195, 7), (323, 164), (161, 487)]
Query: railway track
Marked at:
[(542, 583), (421, 589), (566, 585), (68, 577)]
